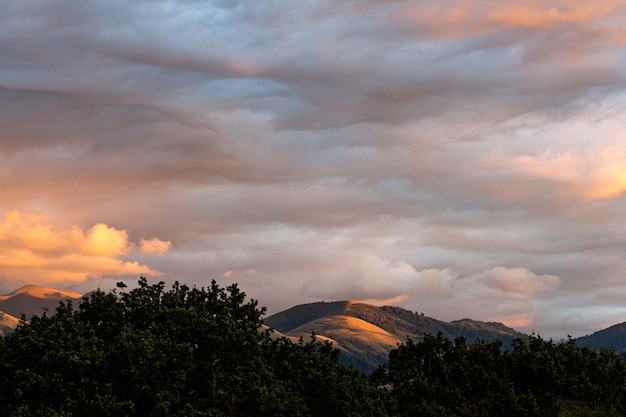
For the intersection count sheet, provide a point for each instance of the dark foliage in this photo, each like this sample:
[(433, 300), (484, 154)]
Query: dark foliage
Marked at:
[(437, 377)]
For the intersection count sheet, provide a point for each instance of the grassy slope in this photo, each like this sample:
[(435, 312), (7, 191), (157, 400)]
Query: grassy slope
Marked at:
[(366, 333), (7, 322)]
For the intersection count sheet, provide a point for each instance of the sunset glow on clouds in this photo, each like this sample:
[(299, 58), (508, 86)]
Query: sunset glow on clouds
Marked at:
[(34, 250), (458, 158)]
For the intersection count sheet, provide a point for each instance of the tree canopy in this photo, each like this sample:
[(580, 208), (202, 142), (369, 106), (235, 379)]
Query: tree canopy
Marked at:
[(439, 377)]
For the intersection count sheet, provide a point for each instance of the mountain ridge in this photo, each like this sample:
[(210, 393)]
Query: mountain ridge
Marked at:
[(381, 328), (30, 300), (613, 337), (41, 292)]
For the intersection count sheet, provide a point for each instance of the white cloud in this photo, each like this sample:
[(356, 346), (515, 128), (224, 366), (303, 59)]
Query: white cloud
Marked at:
[(515, 280), (498, 294)]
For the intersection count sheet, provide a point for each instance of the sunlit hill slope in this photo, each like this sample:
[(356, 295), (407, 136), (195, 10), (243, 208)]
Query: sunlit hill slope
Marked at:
[(366, 333), (30, 300)]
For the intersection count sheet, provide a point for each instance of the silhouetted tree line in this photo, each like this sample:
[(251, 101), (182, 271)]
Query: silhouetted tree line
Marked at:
[(202, 352), (535, 377)]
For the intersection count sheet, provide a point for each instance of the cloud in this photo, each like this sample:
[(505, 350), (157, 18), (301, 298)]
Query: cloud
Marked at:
[(538, 15), (576, 161), (370, 277), (35, 250), (466, 19), (450, 156), (154, 246), (515, 280), (103, 241), (498, 294)]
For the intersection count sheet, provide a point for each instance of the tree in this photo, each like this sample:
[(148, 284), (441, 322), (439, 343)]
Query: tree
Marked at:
[(437, 377)]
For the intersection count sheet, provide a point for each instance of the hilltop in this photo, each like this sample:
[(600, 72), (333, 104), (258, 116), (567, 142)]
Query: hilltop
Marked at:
[(30, 300), (365, 333)]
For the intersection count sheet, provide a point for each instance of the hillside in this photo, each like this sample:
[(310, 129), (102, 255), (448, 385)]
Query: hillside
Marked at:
[(41, 292), (363, 344), (365, 333), (30, 300), (613, 337), (7, 323)]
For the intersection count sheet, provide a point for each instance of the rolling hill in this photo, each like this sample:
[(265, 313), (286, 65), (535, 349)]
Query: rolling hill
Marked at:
[(613, 337), (30, 300), (365, 333)]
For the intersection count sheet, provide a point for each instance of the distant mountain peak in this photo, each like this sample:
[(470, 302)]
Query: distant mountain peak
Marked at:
[(42, 292), (30, 300)]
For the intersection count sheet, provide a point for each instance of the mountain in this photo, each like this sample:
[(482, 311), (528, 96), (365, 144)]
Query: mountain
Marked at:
[(365, 333), (41, 292), (30, 300), (613, 337), (7, 323)]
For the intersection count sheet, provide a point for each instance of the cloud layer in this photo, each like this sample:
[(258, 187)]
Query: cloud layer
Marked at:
[(464, 159)]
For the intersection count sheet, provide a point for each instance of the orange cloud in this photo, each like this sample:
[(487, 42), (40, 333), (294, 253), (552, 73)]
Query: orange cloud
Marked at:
[(399, 299), (598, 175), (104, 241), (155, 246), (539, 16), (230, 274), (32, 249), (610, 180), (463, 18)]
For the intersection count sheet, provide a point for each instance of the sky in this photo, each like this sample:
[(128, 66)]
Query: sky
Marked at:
[(456, 158)]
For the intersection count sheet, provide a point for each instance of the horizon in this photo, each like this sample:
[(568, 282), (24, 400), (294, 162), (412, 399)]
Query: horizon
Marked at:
[(464, 159), (271, 313)]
